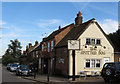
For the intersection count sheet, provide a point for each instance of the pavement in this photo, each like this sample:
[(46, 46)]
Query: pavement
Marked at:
[(43, 79)]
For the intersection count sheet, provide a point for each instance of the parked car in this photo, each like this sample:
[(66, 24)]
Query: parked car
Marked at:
[(111, 71), (8, 66), (13, 67), (24, 70)]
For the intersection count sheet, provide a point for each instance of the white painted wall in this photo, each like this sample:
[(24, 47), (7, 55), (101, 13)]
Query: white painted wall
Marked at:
[(91, 32)]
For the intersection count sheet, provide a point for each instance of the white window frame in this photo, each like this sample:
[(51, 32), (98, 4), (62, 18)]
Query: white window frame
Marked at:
[(95, 62), (93, 41)]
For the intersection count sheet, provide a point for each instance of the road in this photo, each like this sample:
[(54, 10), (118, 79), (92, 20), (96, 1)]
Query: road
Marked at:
[(8, 76), (11, 78)]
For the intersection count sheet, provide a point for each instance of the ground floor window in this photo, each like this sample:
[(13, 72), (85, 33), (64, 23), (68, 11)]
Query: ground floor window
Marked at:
[(118, 59), (92, 63)]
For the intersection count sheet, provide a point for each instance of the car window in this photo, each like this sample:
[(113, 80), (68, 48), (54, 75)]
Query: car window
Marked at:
[(109, 65), (14, 65), (118, 66), (24, 67)]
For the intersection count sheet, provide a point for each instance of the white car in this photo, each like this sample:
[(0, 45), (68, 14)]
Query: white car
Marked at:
[(13, 67)]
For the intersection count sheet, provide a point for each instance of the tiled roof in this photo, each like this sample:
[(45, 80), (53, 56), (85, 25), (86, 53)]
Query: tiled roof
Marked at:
[(74, 33), (77, 31), (55, 33)]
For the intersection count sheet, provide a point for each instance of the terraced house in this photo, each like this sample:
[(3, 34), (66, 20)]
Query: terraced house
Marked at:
[(47, 53), (95, 49)]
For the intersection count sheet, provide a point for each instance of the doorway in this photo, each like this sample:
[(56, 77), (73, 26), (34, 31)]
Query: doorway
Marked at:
[(45, 66)]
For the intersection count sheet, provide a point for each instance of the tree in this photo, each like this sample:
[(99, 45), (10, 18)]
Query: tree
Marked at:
[(14, 48), (115, 38), (13, 52)]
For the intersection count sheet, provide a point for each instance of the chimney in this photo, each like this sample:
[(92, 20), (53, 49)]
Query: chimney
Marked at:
[(26, 47), (30, 45), (36, 43), (78, 19), (59, 27)]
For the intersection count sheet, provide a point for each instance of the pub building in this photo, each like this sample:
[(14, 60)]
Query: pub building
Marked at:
[(95, 49)]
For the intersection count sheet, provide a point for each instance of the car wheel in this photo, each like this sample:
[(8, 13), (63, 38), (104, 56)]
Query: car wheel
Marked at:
[(108, 72)]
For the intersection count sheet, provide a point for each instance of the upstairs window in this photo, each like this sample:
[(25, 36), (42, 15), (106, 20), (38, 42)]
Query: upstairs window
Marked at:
[(48, 47), (52, 45), (42, 47), (88, 41), (98, 41), (93, 41)]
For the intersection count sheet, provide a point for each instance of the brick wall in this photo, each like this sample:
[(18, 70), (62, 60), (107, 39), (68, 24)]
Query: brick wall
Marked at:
[(117, 57), (62, 68)]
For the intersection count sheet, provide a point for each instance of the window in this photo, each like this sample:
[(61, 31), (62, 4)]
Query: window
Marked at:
[(61, 60), (37, 53), (98, 42), (87, 63), (93, 63), (97, 63), (52, 45), (93, 41), (118, 59), (48, 47), (42, 47), (88, 41)]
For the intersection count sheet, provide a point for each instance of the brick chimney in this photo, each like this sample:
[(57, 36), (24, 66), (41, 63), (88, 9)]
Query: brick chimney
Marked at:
[(78, 19), (36, 43), (59, 27), (26, 47), (30, 45)]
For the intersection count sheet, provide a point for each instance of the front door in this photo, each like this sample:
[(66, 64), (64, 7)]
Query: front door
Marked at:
[(45, 66)]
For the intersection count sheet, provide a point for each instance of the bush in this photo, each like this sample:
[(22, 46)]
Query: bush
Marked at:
[(8, 59)]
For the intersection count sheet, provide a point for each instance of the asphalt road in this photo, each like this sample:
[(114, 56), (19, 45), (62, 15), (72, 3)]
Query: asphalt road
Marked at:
[(8, 76), (11, 78)]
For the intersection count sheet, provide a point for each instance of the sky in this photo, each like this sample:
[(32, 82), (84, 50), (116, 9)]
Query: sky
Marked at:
[(31, 21)]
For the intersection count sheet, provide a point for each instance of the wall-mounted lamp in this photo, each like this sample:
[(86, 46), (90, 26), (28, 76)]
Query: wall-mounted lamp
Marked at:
[(95, 46), (85, 46)]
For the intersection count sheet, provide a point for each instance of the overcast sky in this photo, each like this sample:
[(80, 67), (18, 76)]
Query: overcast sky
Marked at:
[(31, 21)]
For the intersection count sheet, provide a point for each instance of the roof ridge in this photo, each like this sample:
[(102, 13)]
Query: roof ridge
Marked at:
[(74, 33)]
